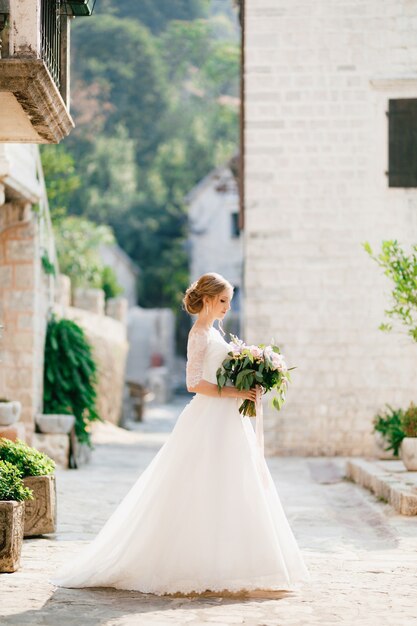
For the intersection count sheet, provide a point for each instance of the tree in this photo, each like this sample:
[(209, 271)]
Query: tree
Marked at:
[(401, 269), (78, 241), (157, 15), (150, 124), (121, 58), (61, 178)]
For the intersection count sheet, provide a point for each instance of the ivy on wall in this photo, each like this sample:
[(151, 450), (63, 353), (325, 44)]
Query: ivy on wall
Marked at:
[(70, 375)]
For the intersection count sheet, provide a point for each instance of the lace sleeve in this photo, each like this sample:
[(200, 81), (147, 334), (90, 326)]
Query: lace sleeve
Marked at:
[(196, 351)]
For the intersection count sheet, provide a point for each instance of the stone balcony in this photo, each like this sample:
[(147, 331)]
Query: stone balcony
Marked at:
[(34, 76)]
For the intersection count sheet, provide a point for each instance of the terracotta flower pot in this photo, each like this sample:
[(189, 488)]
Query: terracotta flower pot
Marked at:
[(9, 412), (409, 453), (12, 516), (40, 513)]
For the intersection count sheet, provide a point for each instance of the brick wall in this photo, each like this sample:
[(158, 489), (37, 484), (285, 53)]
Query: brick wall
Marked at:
[(23, 303), (318, 79)]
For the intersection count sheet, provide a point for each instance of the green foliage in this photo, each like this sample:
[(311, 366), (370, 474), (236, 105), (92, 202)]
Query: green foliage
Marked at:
[(78, 241), (109, 283), (157, 15), (11, 484), (70, 375), (220, 72), (246, 371), (29, 461), (60, 177), (401, 269), (47, 265), (147, 86), (409, 421), (389, 424), (120, 59)]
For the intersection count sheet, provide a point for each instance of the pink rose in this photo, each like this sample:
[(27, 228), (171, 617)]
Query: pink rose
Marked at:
[(256, 352)]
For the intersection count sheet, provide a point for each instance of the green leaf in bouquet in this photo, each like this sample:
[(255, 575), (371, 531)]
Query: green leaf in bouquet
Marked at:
[(277, 402), (276, 349), (259, 377)]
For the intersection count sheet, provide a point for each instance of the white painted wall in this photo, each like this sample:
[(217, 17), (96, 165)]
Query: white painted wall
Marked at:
[(124, 268), (212, 246), (318, 80)]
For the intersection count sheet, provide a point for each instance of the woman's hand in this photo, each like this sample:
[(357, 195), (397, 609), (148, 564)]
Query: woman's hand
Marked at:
[(248, 394)]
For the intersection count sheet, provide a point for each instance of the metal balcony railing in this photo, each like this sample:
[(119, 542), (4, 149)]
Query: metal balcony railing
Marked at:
[(51, 37)]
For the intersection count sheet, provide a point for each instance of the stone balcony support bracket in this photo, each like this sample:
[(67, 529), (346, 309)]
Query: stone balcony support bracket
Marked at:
[(33, 87)]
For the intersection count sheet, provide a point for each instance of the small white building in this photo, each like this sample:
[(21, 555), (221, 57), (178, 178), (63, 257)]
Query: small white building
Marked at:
[(126, 271), (215, 241)]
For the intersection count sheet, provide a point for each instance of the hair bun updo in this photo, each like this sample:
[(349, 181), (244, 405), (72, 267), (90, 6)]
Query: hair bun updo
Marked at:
[(193, 299), (209, 285)]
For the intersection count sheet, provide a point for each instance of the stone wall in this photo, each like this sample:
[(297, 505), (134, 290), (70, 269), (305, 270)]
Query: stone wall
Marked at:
[(24, 297), (108, 339), (318, 77)]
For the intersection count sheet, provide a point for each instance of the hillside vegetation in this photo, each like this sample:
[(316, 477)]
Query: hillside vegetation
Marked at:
[(155, 99)]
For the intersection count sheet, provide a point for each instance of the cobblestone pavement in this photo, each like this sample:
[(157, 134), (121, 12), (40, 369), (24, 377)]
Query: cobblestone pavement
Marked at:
[(362, 555)]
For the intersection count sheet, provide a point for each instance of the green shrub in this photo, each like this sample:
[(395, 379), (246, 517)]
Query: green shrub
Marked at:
[(109, 283), (389, 424), (409, 421), (401, 269), (70, 375), (11, 484), (29, 461)]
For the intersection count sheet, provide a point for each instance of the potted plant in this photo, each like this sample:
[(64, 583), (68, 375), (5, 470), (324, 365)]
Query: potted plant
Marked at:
[(13, 495), (37, 471), (389, 432), (409, 443), (9, 411)]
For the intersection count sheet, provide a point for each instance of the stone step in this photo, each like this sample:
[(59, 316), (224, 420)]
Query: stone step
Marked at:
[(388, 480)]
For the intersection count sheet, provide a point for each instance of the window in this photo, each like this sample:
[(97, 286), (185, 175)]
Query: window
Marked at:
[(402, 143), (235, 225)]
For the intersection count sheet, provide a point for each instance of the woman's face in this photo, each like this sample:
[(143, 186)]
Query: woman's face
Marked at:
[(220, 304)]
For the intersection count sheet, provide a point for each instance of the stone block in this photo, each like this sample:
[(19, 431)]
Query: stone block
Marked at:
[(63, 290), (25, 321), (17, 431), (20, 250), (40, 513), (6, 276), (24, 276), (117, 308), (387, 482), (12, 516), (55, 423), (90, 300), (18, 300), (54, 445)]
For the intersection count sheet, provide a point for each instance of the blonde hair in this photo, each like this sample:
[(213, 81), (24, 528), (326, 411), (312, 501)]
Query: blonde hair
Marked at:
[(209, 285)]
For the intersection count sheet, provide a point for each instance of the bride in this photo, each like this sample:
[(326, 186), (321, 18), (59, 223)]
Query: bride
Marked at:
[(201, 516)]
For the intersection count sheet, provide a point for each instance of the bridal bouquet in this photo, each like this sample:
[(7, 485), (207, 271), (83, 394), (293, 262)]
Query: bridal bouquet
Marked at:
[(248, 366)]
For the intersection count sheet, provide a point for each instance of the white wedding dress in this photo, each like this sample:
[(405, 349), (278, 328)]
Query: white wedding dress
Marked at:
[(201, 516)]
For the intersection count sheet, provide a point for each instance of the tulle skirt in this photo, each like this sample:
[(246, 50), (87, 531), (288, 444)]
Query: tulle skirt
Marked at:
[(204, 515)]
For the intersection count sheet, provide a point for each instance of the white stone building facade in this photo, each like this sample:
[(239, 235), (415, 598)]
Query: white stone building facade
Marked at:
[(215, 240), (126, 271), (318, 81)]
